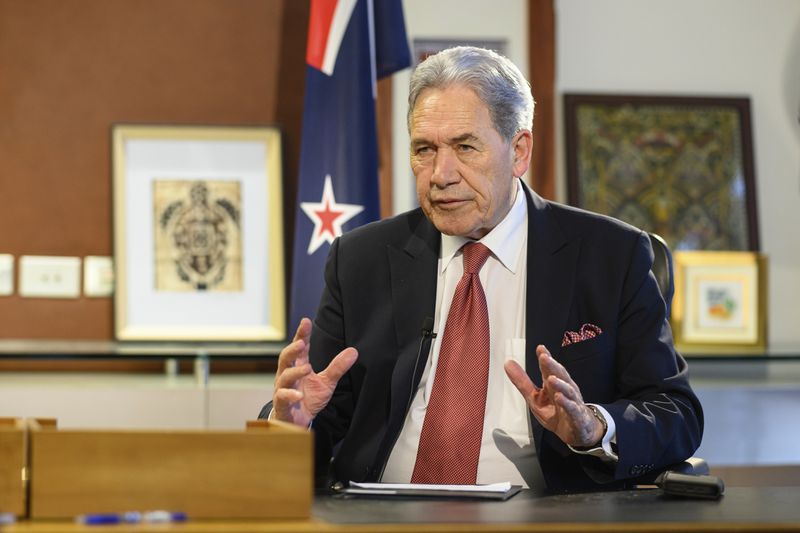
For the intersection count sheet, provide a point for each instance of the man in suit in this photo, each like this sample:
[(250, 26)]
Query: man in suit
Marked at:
[(579, 385)]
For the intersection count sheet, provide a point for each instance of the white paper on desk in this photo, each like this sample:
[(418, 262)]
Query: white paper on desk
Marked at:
[(492, 487)]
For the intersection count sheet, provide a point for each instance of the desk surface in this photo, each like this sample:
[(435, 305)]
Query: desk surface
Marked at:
[(742, 509)]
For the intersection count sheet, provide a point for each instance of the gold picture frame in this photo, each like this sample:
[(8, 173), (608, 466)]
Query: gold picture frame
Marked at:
[(720, 301), (198, 233)]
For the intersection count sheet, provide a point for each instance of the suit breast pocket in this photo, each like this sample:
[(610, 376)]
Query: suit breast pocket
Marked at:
[(583, 349), (590, 364)]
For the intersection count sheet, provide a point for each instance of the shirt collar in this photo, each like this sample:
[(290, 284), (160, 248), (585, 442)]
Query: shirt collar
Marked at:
[(505, 240)]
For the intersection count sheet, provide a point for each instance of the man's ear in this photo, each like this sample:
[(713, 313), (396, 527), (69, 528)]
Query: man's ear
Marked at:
[(522, 144)]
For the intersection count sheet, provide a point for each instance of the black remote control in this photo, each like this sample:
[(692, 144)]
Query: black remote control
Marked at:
[(690, 485)]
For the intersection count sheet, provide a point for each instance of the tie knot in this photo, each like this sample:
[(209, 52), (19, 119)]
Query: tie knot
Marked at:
[(475, 255)]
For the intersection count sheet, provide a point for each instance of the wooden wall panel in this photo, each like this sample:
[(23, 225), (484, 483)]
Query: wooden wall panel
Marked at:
[(69, 69), (542, 67)]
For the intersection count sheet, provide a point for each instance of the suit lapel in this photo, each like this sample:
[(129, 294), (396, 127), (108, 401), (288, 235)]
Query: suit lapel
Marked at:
[(552, 261), (413, 281)]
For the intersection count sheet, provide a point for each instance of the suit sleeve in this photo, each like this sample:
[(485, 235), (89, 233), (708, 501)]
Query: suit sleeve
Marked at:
[(327, 340), (658, 418)]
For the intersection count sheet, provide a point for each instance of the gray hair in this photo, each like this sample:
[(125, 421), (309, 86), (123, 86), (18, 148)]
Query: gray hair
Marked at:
[(495, 79)]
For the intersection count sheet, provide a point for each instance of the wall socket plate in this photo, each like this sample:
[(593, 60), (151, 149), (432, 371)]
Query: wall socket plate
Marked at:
[(98, 276), (6, 274), (43, 276)]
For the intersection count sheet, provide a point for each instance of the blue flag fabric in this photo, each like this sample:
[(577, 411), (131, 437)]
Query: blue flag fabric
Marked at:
[(350, 43)]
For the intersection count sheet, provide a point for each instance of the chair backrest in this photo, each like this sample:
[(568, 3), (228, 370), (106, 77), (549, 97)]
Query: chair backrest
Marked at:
[(662, 269)]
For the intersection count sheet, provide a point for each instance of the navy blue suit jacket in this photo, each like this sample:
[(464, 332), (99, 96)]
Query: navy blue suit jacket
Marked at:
[(582, 268)]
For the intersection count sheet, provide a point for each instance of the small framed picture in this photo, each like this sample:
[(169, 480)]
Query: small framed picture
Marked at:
[(720, 302), (198, 233)]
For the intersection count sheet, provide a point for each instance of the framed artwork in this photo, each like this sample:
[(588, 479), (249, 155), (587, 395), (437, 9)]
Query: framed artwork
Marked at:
[(679, 167), (424, 48), (198, 233), (720, 301)]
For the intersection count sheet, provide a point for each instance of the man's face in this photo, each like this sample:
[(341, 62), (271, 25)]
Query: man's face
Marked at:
[(465, 170)]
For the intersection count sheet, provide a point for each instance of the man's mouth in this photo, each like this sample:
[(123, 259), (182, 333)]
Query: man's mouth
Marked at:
[(449, 203)]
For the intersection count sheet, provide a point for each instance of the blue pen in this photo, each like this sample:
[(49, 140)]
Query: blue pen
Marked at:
[(131, 517), (98, 519)]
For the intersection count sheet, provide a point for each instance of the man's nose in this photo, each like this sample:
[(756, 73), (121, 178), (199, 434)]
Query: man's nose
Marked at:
[(445, 168)]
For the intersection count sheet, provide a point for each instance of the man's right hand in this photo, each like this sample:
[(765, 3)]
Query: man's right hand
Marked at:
[(300, 393)]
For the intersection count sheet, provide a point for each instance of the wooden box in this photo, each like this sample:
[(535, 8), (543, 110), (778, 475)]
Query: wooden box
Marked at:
[(263, 472), (13, 463)]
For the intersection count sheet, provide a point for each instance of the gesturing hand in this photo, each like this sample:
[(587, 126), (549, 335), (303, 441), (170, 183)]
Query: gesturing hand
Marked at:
[(300, 393), (558, 404)]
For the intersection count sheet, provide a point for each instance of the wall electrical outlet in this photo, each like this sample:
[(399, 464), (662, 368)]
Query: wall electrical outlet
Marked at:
[(43, 276), (6, 274), (98, 276)]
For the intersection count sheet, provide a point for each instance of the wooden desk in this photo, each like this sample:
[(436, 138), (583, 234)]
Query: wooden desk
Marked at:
[(742, 509)]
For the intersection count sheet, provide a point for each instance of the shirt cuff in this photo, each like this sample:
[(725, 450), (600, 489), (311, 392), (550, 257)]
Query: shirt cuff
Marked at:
[(606, 449)]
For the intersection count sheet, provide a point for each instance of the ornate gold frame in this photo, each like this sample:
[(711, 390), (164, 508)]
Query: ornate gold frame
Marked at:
[(720, 302)]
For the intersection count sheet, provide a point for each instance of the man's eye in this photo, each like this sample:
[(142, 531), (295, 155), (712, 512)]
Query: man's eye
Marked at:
[(465, 147), (422, 150)]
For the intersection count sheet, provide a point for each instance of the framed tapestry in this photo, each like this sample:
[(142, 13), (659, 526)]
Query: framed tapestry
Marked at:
[(680, 167), (198, 233)]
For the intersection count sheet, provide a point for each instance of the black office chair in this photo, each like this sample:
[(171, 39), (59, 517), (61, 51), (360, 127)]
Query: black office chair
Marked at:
[(663, 271), (662, 268)]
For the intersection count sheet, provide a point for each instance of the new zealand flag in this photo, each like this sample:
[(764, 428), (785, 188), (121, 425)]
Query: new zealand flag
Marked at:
[(351, 43)]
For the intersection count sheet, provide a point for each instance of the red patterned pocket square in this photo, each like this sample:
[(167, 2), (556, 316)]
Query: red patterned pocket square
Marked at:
[(587, 331)]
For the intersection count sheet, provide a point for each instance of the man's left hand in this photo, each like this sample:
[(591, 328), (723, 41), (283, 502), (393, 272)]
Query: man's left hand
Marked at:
[(558, 404)]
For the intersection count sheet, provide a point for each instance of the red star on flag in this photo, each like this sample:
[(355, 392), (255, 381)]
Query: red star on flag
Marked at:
[(327, 216)]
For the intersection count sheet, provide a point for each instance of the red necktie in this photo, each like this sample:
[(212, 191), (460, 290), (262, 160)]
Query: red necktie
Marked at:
[(450, 442)]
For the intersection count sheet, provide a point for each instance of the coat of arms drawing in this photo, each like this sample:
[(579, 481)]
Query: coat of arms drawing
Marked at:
[(198, 243)]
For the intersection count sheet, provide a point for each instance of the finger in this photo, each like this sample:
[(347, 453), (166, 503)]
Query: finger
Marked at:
[(566, 388), (538, 402), (286, 397), (298, 347), (550, 367), (520, 379), (303, 329), (282, 402), (303, 333), (570, 407), (288, 378), (291, 354), (572, 412), (543, 357), (547, 363), (339, 365)]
